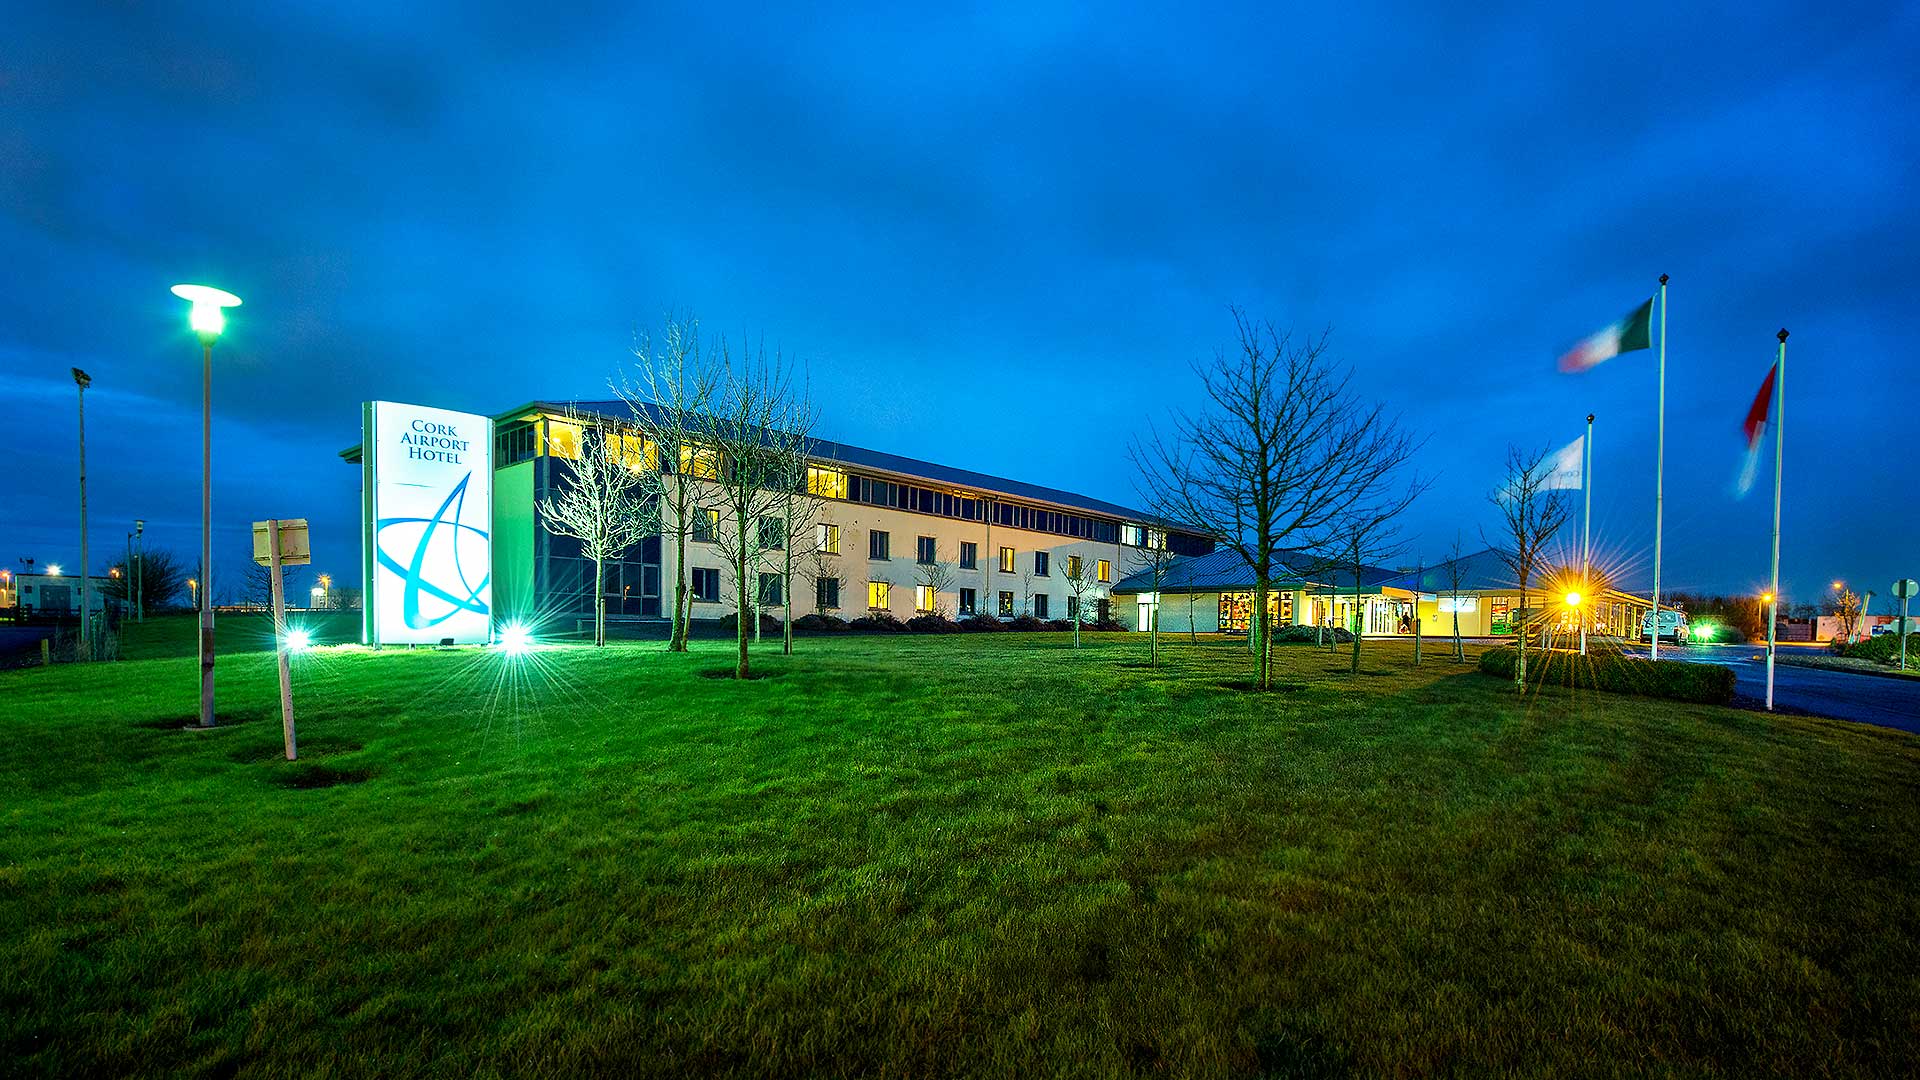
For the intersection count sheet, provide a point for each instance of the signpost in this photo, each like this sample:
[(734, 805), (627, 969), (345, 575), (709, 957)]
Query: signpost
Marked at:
[(278, 543), (1905, 590)]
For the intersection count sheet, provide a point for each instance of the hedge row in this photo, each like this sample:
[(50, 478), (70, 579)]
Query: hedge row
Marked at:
[(1881, 649), (885, 623), (1676, 680)]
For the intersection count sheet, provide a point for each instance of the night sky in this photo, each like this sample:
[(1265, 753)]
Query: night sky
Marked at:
[(997, 241)]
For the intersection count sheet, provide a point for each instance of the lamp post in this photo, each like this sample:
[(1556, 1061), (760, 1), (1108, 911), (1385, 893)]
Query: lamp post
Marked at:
[(85, 648), (207, 318), (140, 575)]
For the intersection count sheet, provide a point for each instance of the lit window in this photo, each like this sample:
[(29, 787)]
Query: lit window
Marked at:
[(634, 451), (827, 538), (1006, 603), (561, 439), (878, 594), (699, 462), (1103, 570), (923, 598), (706, 524), (1006, 560), (826, 483), (1073, 566)]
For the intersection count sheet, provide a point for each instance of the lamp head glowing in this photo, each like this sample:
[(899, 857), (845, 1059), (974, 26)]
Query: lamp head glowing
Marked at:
[(298, 640), (1766, 598), (1573, 599), (515, 639), (53, 569), (207, 318)]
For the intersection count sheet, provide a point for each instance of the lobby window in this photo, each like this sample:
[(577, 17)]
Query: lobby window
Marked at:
[(706, 583), (561, 439), (827, 538), (826, 483), (1006, 560), (1039, 564), (1102, 570), (877, 544), (772, 534), (923, 598), (1006, 603), (512, 446), (706, 524), (770, 590), (924, 549), (1073, 566), (968, 598), (969, 555), (1040, 605), (826, 593), (878, 594), (636, 452), (699, 462)]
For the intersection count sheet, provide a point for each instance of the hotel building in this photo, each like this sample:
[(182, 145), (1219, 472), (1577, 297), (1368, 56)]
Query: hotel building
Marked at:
[(888, 526)]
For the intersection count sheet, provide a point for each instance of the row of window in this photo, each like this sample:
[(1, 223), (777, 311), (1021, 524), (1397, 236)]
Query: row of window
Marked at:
[(706, 587), (563, 440)]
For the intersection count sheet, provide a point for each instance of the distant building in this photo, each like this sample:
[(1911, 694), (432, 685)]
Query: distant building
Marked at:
[(55, 594)]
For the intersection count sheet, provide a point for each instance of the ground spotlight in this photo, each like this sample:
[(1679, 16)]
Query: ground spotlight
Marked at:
[(298, 640), (515, 639)]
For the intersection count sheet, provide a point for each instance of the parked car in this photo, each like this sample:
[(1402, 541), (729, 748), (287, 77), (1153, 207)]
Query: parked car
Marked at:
[(1673, 626)]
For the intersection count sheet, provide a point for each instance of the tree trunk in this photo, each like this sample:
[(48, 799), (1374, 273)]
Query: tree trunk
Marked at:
[(1520, 669), (742, 608), (1153, 632), (599, 600), (786, 592), (1257, 629), (682, 606), (1359, 622), (1459, 648)]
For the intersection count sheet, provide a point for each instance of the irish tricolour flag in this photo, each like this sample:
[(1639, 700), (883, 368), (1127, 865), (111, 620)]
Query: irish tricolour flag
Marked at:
[(1633, 332)]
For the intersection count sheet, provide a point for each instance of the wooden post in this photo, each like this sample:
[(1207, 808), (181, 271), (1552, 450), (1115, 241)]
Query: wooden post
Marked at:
[(280, 637)]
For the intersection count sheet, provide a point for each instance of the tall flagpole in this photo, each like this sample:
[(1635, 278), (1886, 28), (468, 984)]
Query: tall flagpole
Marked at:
[(1660, 470), (1586, 536), (1779, 457)]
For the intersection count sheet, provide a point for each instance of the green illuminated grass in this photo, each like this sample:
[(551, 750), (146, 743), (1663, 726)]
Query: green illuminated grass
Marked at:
[(969, 855)]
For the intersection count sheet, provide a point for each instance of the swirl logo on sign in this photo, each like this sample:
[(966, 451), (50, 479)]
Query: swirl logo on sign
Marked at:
[(430, 538)]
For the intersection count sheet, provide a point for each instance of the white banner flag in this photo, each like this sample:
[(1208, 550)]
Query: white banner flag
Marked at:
[(1567, 467)]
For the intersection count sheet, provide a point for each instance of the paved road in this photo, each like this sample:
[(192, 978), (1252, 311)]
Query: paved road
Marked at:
[(1842, 695)]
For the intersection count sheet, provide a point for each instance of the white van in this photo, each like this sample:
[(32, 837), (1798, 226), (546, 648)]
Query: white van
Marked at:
[(1673, 626)]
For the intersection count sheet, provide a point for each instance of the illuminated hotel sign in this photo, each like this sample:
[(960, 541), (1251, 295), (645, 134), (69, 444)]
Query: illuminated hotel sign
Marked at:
[(426, 524)]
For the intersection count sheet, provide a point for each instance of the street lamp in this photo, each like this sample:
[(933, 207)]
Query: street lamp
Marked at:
[(85, 651), (207, 318)]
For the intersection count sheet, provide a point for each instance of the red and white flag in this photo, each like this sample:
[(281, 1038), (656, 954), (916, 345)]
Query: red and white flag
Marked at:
[(1756, 431)]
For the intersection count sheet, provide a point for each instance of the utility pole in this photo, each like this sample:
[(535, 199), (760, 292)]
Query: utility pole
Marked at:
[(84, 650)]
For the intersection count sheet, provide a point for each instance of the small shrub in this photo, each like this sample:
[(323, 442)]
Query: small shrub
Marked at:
[(932, 624), (1308, 635), (989, 624), (1108, 625), (1026, 623), (1675, 680), (1883, 649), (1060, 625), (818, 623), (768, 624), (879, 622)]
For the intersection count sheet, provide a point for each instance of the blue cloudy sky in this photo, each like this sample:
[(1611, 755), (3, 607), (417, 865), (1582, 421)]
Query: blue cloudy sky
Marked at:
[(997, 238)]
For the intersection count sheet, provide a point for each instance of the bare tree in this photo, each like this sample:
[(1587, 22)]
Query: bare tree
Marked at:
[(1454, 571), (1284, 447), (937, 578), (1156, 560), (609, 501), (1532, 513), (670, 387), (798, 510), (1847, 608), (819, 562), (1083, 587), (754, 424)]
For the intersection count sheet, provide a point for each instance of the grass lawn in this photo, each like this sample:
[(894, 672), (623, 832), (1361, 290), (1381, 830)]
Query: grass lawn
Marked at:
[(929, 856)]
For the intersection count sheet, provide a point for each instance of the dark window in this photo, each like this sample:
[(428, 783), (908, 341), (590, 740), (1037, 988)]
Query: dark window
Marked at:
[(969, 555), (1006, 603), (827, 593), (877, 544), (1073, 604), (770, 590), (706, 583), (924, 549), (649, 578), (512, 446), (1040, 564), (966, 600), (1040, 606), (772, 536)]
